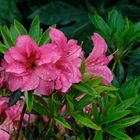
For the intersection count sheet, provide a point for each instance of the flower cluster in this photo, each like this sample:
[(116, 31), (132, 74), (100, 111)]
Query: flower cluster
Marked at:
[(44, 69), (10, 117), (52, 66)]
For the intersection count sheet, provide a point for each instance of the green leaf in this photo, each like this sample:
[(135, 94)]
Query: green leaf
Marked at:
[(15, 96), (83, 66), (14, 33), (131, 87), (70, 105), (126, 122), (100, 24), (111, 117), (86, 100), (120, 73), (134, 64), (3, 48), (62, 122), (94, 82), (29, 100), (35, 31), (95, 112), (116, 21), (7, 36), (101, 89), (85, 121), (83, 87), (119, 134), (98, 135), (72, 22), (42, 110), (20, 28), (125, 104), (45, 38), (136, 137)]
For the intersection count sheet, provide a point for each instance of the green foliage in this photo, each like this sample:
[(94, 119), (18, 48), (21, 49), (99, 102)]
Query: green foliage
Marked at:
[(15, 96), (90, 110)]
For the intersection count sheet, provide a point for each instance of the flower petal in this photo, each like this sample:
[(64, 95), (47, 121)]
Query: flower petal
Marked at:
[(102, 71), (45, 87), (16, 68), (46, 72), (49, 54), (58, 37), (27, 46), (99, 50), (16, 54), (31, 82), (14, 82), (8, 58)]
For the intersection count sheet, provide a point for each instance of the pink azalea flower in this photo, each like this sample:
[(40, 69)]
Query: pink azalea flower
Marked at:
[(3, 104), (29, 66), (4, 135), (97, 61), (67, 66), (11, 116)]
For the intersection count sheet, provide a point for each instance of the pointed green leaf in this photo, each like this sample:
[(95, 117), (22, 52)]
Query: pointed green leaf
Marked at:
[(115, 116), (85, 121), (42, 110), (126, 122), (83, 87), (119, 134), (70, 106), (86, 100), (34, 31), (20, 28), (29, 100), (125, 104), (62, 122), (45, 38), (7, 36), (3, 48), (100, 24), (14, 33), (101, 89), (98, 135)]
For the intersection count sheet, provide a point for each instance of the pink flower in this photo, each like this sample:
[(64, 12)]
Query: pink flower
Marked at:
[(4, 135), (29, 66), (68, 65), (97, 61), (3, 104)]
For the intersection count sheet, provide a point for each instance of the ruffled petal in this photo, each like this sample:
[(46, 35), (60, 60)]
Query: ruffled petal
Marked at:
[(27, 46), (14, 82), (8, 58), (99, 50), (16, 68), (58, 38), (49, 54), (31, 82), (17, 55), (46, 72), (101, 71), (45, 87)]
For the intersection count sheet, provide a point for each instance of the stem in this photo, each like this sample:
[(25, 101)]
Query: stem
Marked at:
[(21, 120), (114, 65), (41, 133)]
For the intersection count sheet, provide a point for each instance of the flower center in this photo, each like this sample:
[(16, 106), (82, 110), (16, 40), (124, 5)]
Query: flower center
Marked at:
[(31, 63)]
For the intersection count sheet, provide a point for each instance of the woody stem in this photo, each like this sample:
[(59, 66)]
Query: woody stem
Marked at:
[(21, 120)]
